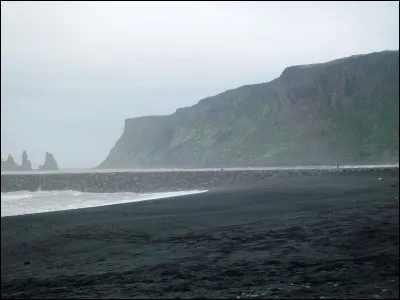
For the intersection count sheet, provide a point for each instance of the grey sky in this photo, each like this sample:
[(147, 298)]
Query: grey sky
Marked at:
[(72, 72)]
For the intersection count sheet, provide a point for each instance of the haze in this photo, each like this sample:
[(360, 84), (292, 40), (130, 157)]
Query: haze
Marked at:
[(72, 72)]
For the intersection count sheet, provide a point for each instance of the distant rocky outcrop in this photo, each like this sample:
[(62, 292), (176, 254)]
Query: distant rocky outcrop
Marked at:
[(9, 164), (49, 163), (26, 163)]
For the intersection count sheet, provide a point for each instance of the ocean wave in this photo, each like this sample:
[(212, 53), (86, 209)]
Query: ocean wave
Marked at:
[(26, 202)]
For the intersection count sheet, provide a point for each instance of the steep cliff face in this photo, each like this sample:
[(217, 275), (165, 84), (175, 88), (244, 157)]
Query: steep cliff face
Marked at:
[(49, 163), (344, 111)]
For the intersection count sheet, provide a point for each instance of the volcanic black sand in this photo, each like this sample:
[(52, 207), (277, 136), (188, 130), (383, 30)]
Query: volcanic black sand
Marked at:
[(328, 236)]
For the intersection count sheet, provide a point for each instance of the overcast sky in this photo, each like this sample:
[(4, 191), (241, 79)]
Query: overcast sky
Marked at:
[(72, 72)]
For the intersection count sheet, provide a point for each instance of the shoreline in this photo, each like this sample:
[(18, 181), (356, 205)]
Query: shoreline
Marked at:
[(152, 182), (132, 170)]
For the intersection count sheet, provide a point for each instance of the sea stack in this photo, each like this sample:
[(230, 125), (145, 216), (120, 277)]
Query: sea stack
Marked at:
[(26, 164), (9, 164), (49, 163)]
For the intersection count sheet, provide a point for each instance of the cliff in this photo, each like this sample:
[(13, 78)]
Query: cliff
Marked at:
[(343, 111)]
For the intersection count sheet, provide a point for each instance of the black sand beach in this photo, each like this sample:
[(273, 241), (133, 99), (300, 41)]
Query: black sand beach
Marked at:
[(330, 236)]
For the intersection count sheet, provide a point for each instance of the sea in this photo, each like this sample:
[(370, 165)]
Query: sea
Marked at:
[(27, 202)]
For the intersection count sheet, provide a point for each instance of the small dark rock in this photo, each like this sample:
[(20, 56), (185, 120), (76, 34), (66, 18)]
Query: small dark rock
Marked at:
[(27, 263)]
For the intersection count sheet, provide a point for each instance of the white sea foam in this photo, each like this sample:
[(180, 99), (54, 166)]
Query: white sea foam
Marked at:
[(25, 202)]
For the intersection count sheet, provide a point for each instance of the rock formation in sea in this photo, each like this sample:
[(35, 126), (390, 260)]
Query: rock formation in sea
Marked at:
[(26, 163), (9, 164), (49, 163)]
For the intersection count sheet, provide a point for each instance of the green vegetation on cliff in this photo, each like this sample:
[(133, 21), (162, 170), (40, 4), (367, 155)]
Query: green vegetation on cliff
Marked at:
[(343, 111)]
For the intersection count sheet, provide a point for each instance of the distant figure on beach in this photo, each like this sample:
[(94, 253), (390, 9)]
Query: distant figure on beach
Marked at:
[(222, 170), (337, 166), (391, 172)]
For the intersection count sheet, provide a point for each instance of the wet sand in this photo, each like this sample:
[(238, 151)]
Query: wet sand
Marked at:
[(328, 236)]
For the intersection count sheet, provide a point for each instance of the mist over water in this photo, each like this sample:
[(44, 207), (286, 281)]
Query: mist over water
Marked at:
[(26, 202)]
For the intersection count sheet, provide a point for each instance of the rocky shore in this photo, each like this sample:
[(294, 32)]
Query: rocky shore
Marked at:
[(149, 182)]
